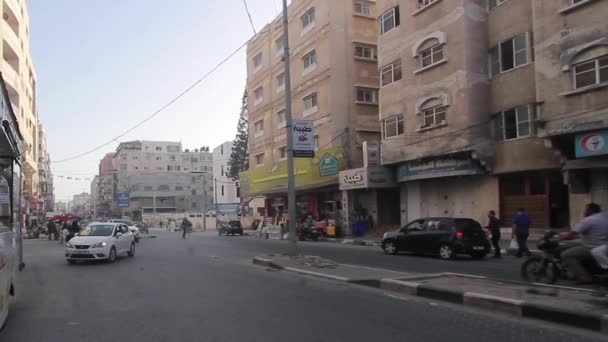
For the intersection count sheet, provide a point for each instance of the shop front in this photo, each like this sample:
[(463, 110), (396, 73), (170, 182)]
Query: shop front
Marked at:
[(370, 198), (585, 168), (316, 186), (11, 199), (453, 185)]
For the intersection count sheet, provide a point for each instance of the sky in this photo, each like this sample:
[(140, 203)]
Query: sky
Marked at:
[(105, 65)]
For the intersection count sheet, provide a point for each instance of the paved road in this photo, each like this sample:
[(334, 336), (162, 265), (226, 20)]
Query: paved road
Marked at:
[(205, 289)]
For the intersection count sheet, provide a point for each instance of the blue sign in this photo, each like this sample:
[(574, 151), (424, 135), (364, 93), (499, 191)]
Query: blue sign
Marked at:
[(592, 144), (328, 165), (228, 208), (123, 199), (439, 167)]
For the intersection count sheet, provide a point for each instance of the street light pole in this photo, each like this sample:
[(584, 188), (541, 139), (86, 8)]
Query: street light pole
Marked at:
[(291, 182)]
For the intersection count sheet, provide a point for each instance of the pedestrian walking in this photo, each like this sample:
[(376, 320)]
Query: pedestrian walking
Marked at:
[(184, 226), (161, 224), (494, 228), (521, 231), (52, 230)]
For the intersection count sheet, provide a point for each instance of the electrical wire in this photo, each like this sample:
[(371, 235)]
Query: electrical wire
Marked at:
[(249, 15)]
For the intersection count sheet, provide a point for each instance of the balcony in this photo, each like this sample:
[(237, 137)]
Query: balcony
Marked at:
[(12, 8), (11, 77), (10, 51), (11, 38)]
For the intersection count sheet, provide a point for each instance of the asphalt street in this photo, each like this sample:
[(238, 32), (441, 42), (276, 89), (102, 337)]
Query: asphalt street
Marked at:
[(205, 288)]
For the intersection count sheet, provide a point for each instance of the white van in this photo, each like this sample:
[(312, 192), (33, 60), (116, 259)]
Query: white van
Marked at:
[(8, 269)]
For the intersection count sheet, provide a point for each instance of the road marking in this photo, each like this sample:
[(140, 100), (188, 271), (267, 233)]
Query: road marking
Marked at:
[(395, 296), (375, 268)]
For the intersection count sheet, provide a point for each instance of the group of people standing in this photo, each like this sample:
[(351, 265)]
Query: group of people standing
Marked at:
[(519, 233), (62, 231)]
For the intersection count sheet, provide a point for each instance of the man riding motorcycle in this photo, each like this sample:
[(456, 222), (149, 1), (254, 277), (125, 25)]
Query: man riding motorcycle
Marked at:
[(593, 232)]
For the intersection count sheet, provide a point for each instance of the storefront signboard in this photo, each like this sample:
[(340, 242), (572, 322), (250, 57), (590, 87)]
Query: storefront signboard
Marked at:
[(320, 171), (303, 138), (228, 208), (591, 144), (439, 167), (373, 154), (367, 178)]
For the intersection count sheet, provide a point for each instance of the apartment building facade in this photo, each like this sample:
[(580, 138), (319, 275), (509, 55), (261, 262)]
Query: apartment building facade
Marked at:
[(334, 83), (225, 189), (160, 177), (45, 176), (20, 77), (107, 186), (481, 110)]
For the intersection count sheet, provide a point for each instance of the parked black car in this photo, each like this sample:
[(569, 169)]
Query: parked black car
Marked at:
[(443, 236), (231, 228)]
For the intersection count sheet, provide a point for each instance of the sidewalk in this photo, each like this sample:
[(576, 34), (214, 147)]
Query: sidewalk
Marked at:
[(575, 307)]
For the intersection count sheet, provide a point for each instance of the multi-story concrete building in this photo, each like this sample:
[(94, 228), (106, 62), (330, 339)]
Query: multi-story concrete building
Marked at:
[(483, 103), (45, 175), (162, 178), (334, 83), (225, 189), (20, 76), (107, 186), (95, 197)]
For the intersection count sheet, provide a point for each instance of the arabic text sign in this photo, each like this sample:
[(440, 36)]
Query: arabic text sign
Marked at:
[(303, 138), (592, 144), (123, 200), (367, 178), (439, 167), (228, 208)]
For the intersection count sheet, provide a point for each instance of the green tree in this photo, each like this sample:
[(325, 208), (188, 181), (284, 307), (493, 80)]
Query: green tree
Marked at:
[(239, 158)]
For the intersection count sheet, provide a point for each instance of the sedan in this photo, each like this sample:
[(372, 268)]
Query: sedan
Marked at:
[(132, 227), (443, 236), (100, 241)]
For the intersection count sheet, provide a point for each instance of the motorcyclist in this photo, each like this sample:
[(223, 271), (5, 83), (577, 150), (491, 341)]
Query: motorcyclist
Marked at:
[(593, 232)]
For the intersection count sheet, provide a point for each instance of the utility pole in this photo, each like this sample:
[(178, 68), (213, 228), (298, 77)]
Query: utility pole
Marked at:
[(204, 202), (291, 181)]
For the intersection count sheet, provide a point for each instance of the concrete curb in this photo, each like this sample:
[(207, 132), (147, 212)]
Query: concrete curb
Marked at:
[(268, 263), (504, 305)]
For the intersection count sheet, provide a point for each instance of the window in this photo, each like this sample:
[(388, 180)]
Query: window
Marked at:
[(393, 126), (257, 60), (389, 20), (494, 3), (281, 117), (163, 188), (259, 159), (148, 188), (179, 188), (390, 73), (280, 45), (316, 142), (283, 152), (363, 9), (574, 2), (509, 54), (310, 60), (310, 102), (259, 128), (424, 3), (367, 95), (258, 93), (591, 72), (308, 18), (431, 55), (365, 51), (193, 192), (433, 115), (281, 81), (222, 170), (222, 191), (514, 123)]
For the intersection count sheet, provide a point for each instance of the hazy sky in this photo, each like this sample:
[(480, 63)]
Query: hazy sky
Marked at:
[(104, 65)]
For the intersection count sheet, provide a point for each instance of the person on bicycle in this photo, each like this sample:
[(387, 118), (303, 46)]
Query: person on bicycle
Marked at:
[(593, 231)]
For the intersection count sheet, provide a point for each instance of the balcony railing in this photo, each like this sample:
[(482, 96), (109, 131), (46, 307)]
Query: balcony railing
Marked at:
[(10, 37), (10, 74)]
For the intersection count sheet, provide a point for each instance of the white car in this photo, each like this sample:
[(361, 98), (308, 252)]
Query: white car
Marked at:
[(101, 241), (132, 227)]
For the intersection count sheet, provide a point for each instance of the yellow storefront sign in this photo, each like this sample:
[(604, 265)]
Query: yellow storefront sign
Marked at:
[(322, 170)]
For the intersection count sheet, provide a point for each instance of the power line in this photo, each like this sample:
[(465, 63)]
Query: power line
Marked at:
[(175, 99), (249, 15)]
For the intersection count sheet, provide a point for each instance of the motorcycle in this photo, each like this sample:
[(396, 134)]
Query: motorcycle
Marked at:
[(547, 267), (309, 233)]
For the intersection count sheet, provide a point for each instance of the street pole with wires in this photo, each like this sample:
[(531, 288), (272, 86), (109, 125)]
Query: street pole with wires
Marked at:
[(291, 182)]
